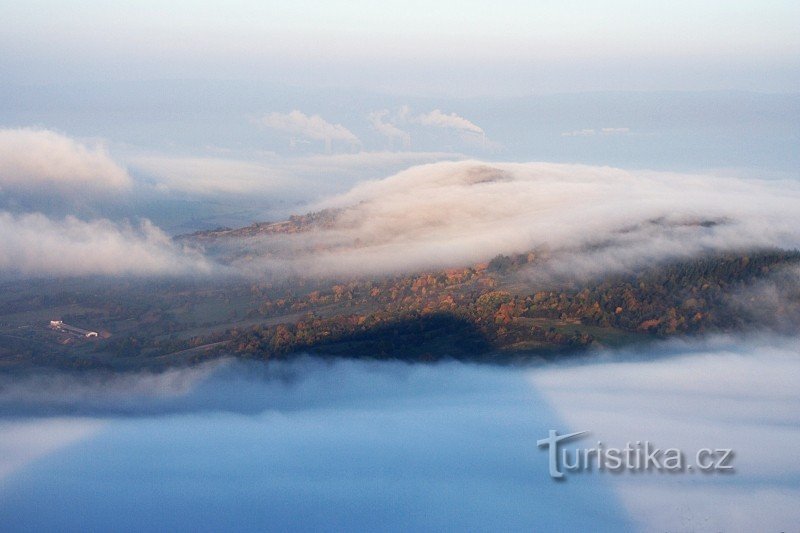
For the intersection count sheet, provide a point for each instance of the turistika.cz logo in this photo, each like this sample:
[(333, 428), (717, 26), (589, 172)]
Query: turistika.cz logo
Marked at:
[(637, 456)]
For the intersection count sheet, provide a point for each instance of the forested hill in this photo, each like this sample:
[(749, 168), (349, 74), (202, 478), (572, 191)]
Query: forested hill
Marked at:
[(486, 312), (499, 311)]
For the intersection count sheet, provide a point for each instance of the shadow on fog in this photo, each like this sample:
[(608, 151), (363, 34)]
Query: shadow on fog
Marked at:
[(311, 445), (308, 382)]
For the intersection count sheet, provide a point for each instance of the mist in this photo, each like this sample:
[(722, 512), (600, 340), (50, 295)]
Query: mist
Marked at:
[(586, 220), (590, 220), (33, 245), (191, 192), (387, 445)]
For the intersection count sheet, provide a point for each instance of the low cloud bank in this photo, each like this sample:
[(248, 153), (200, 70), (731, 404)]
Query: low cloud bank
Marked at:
[(43, 162), (35, 245), (208, 176), (425, 439), (735, 393), (590, 219), (269, 176)]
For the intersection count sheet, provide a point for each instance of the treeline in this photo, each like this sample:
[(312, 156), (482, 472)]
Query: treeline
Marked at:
[(464, 313)]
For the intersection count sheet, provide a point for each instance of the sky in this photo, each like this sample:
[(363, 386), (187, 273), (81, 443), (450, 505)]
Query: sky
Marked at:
[(123, 124), (445, 48)]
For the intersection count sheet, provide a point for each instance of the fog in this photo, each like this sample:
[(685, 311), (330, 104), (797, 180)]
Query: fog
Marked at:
[(295, 181), (195, 154), (34, 245), (44, 159), (379, 445), (40, 166), (431, 135), (588, 219)]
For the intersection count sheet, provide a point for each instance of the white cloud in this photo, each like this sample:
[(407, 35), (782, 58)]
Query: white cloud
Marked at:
[(23, 442), (592, 219), (737, 393), (212, 175), (35, 245), (312, 127), (273, 176), (43, 162), (468, 430)]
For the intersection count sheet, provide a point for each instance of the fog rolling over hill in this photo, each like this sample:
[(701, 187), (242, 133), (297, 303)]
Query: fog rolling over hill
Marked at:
[(451, 214), (476, 260), (399, 266)]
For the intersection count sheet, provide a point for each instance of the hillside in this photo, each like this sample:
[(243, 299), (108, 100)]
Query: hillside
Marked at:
[(487, 312), (511, 308)]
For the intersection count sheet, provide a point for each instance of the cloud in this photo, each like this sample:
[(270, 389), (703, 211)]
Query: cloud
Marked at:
[(43, 162), (213, 175), (35, 245), (593, 132), (432, 440), (273, 176), (591, 219), (722, 392), (26, 441), (452, 121), (312, 127), (387, 129), (772, 302)]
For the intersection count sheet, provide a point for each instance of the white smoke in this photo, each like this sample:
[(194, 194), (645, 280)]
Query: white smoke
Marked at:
[(590, 132), (468, 130), (310, 126), (439, 119), (389, 130)]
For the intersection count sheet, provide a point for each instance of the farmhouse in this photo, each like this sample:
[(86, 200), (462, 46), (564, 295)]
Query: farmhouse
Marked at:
[(60, 326)]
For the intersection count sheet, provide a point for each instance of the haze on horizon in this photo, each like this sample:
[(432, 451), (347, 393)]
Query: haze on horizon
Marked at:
[(447, 48), (122, 124)]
